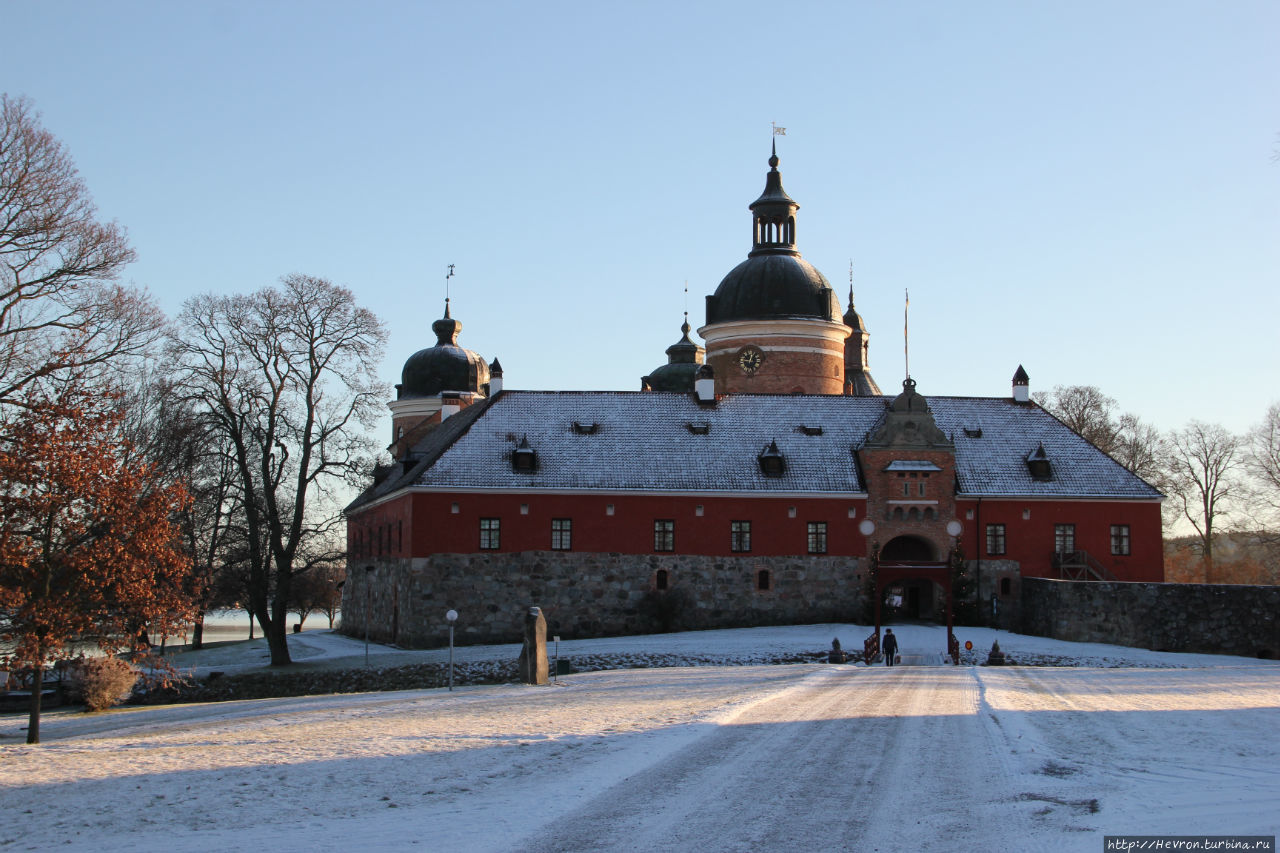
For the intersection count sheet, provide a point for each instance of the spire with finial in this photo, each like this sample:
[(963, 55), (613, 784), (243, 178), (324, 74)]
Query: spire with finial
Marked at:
[(774, 220)]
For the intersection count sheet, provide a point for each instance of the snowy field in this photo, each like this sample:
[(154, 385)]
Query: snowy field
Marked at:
[(734, 758)]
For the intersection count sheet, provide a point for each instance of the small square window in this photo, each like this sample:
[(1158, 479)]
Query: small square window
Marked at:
[(817, 537), (1120, 540), (664, 535), (490, 534), (740, 536)]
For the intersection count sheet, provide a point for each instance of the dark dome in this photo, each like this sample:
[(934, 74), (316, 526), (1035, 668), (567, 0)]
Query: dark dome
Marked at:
[(769, 286), (443, 367), (684, 357)]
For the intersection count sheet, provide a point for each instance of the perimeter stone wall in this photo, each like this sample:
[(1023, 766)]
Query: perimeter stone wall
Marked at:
[(591, 595), (1228, 619)]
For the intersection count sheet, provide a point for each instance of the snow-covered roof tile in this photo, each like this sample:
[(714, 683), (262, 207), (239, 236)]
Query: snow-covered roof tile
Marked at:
[(643, 441)]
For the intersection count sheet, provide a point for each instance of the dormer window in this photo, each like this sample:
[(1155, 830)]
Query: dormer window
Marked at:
[(811, 430), (698, 427), (1039, 465), (585, 429), (524, 459), (772, 462)]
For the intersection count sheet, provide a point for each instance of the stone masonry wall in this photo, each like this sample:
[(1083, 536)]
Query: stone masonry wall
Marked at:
[(591, 595), (1213, 618)]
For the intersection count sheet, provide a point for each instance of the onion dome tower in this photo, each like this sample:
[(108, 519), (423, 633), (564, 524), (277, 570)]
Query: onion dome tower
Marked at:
[(857, 373), (773, 324), (435, 383), (684, 357)]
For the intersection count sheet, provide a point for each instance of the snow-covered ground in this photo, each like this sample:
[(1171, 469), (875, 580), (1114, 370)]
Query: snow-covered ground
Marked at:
[(751, 757)]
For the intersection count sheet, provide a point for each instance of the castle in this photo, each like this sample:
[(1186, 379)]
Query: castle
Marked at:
[(763, 479)]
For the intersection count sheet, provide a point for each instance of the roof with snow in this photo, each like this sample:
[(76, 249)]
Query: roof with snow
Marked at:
[(668, 442)]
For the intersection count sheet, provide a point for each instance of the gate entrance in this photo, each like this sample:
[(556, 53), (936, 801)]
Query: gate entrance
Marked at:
[(906, 561)]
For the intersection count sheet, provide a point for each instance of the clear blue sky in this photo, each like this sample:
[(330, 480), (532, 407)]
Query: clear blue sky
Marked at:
[(1085, 188)]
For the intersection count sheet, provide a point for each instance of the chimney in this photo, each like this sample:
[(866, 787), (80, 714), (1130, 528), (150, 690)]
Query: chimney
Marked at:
[(495, 378), (704, 386), (450, 404), (1021, 386)]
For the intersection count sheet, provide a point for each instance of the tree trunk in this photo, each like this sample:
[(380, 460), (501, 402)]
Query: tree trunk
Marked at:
[(277, 637), (33, 719), (197, 632)]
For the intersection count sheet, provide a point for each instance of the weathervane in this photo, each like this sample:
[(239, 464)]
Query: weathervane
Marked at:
[(446, 284), (778, 131)]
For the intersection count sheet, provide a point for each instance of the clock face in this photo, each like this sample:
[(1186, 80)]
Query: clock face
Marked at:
[(750, 359)]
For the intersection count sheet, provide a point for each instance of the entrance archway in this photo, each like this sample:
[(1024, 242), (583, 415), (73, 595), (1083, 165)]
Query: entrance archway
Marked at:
[(910, 563), (908, 549)]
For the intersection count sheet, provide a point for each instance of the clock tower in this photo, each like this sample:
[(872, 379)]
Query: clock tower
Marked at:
[(774, 323)]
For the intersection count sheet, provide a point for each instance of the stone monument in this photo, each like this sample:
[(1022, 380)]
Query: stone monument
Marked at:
[(533, 656)]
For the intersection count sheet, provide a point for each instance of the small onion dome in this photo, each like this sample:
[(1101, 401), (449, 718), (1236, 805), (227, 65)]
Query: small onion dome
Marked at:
[(678, 374), (443, 367), (851, 317)]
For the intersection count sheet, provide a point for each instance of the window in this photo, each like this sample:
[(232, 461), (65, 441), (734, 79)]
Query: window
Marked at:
[(490, 534), (661, 580), (906, 490), (1006, 586), (1120, 539), (995, 540), (921, 488), (817, 537), (763, 583), (664, 535), (561, 534), (740, 536), (1064, 538)]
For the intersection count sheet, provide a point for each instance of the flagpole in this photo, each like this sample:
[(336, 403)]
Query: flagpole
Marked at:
[(906, 337)]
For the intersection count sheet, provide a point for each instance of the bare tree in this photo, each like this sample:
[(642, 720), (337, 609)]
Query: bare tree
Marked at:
[(61, 311), (1126, 438), (1262, 462), (287, 376), (1201, 467), (1085, 409)]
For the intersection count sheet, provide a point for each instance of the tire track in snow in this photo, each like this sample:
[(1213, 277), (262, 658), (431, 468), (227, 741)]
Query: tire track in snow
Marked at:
[(869, 759)]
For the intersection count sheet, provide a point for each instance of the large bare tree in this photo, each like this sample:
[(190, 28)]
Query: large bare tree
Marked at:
[(287, 376), (1126, 438), (61, 309), (1201, 476)]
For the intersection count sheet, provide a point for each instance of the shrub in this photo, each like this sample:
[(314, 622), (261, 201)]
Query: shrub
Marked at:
[(105, 682)]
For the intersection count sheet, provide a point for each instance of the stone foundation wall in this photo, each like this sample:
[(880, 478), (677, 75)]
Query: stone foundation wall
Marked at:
[(591, 595), (1213, 618)]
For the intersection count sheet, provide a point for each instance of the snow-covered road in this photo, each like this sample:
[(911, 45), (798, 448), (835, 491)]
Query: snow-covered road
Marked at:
[(809, 757)]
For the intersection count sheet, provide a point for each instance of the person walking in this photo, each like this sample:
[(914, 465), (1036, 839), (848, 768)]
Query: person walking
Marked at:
[(890, 647)]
